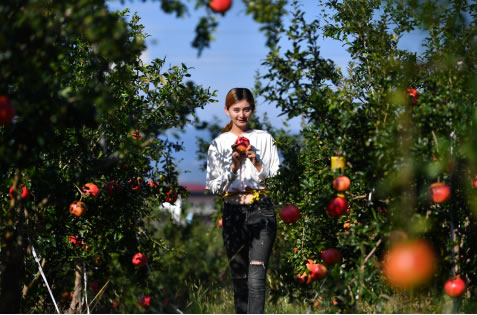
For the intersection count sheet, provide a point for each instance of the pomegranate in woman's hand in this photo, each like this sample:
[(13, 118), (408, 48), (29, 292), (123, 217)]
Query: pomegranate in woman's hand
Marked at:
[(242, 144)]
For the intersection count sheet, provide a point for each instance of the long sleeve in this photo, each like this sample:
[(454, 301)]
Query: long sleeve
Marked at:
[(271, 161), (219, 174), (221, 179)]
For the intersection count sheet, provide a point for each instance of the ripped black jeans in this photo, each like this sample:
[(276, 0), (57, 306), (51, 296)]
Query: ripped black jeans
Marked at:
[(249, 232)]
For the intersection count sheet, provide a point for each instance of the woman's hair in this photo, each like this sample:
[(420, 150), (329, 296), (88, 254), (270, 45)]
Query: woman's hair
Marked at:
[(234, 96)]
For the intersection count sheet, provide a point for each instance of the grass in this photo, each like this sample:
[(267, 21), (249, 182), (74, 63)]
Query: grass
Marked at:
[(221, 301)]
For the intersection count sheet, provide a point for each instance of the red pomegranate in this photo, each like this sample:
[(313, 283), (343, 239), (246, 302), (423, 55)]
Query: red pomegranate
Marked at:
[(409, 264), (439, 192), (303, 278), (318, 271), (341, 183), (413, 94), (146, 301), (171, 196), (455, 286), (77, 208), (153, 185), (290, 213), (242, 144), (25, 192), (139, 259), (330, 256), (7, 110), (112, 187), (220, 6), (136, 135), (135, 186), (91, 189), (337, 206)]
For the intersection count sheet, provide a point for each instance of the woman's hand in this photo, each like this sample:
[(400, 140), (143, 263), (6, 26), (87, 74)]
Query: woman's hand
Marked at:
[(236, 159), (250, 154)]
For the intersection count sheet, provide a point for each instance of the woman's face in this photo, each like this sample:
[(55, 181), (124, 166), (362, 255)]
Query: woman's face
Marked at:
[(240, 114)]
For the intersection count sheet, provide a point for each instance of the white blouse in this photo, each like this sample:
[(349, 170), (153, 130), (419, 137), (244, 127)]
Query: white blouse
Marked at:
[(221, 178)]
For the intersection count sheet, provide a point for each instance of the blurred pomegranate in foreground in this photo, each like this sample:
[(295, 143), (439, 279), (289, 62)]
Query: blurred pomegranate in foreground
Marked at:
[(409, 264)]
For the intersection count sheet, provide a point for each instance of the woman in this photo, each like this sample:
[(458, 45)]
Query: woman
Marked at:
[(249, 222)]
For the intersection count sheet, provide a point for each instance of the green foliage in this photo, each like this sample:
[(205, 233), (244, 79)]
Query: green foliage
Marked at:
[(387, 139), (88, 111), (394, 146)]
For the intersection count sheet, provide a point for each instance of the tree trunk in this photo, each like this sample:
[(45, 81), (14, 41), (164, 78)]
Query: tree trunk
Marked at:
[(12, 273), (75, 306)]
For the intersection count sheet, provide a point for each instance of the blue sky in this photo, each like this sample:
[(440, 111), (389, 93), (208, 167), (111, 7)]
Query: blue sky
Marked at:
[(232, 61)]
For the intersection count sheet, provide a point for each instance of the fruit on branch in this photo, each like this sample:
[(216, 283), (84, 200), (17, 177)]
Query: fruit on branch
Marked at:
[(94, 286), (439, 192), (146, 301), (219, 223), (135, 187), (337, 206), (316, 303), (98, 260), (171, 196), (409, 264), (78, 208), (455, 286), (139, 259), (242, 144), (220, 6), (318, 271), (330, 256), (91, 189), (25, 192), (66, 296), (341, 183), (112, 187), (413, 94), (347, 225), (153, 185), (136, 135), (7, 110), (74, 240), (474, 181), (303, 278), (290, 213)]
